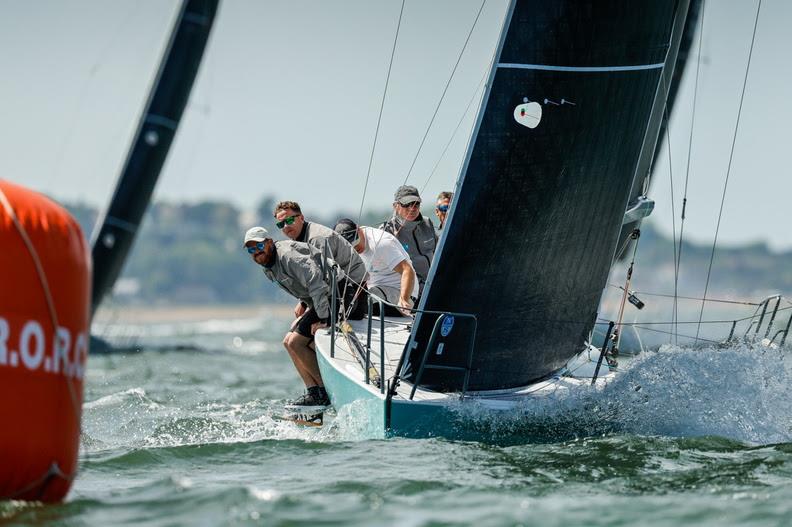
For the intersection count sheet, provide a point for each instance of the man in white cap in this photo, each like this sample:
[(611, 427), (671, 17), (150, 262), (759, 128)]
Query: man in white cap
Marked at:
[(415, 232), (297, 268)]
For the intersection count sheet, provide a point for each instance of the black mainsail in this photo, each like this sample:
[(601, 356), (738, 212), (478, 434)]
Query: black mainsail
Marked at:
[(541, 198), (155, 133)]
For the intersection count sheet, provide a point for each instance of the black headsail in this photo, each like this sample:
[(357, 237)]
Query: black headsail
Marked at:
[(155, 133), (541, 198)]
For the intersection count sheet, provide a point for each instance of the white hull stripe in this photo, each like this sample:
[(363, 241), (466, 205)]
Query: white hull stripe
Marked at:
[(580, 68)]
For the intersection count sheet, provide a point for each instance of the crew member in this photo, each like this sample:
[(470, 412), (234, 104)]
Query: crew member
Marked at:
[(415, 232), (296, 268), (391, 275), (290, 220), (442, 206)]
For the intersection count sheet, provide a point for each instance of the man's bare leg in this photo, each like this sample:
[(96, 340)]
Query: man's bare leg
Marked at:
[(304, 358), (301, 371)]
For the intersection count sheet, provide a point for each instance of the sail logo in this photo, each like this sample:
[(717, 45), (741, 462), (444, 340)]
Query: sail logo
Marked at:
[(528, 114), (448, 325)]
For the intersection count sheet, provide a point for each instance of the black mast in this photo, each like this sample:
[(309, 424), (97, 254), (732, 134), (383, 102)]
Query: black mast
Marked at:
[(681, 44), (157, 128)]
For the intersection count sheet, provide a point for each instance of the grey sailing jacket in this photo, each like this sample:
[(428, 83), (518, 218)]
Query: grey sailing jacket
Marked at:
[(340, 249), (419, 240), (297, 270)]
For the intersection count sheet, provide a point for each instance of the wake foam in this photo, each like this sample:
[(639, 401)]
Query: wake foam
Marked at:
[(740, 392)]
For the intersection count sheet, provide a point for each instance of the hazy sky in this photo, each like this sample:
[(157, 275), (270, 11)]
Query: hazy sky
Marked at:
[(287, 100)]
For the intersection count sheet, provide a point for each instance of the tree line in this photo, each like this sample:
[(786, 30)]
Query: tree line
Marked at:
[(191, 253)]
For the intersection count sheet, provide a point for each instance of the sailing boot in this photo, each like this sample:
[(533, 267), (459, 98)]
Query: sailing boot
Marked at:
[(316, 396)]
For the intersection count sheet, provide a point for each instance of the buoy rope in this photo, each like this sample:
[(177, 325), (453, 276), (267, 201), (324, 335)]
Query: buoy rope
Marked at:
[(34, 256), (54, 471)]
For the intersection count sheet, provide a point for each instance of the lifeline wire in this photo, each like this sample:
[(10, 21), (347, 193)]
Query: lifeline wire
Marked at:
[(731, 157), (444, 92)]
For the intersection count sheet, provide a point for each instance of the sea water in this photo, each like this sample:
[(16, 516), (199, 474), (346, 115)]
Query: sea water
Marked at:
[(176, 435)]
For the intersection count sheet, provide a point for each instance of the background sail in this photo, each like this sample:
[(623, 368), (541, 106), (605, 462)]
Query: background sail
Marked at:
[(536, 216), (155, 133)]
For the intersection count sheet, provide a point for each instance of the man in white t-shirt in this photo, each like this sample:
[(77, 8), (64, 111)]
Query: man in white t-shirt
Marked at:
[(391, 274)]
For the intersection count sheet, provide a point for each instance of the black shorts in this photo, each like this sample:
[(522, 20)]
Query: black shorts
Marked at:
[(305, 322)]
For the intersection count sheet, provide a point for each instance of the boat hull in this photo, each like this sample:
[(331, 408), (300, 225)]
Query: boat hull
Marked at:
[(538, 412)]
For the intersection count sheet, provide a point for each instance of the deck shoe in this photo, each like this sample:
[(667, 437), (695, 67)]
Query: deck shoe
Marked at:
[(315, 396)]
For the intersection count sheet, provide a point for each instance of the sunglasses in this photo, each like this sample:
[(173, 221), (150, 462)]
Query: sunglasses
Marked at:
[(442, 208), (286, 221), (413, 205), (258, 247)]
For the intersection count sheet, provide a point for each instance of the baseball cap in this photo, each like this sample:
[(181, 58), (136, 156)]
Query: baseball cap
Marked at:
[(256, 234), (348, 229), (406, 194)]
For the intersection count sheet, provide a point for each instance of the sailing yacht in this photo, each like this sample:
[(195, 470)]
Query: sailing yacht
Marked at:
[(572, 109)]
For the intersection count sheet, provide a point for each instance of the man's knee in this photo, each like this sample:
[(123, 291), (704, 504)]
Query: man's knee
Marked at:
[(294, 339)]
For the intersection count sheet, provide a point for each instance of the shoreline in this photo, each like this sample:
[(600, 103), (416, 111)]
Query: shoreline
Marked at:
[(185, 313)]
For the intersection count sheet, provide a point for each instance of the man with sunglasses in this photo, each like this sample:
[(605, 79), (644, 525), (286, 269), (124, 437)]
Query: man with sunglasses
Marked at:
[(290, 220), (297, 268), (441, 209), (415, 232)]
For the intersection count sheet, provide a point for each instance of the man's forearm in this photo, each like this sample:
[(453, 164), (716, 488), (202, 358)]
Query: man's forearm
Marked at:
[(407, 283)]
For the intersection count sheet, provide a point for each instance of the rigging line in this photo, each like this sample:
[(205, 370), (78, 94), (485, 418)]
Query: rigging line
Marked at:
[(445, 90), (690, 137), (690, 297), (731, 156), (453, 135), (379, 118), (697, 338), (675, 308), (669, 322)]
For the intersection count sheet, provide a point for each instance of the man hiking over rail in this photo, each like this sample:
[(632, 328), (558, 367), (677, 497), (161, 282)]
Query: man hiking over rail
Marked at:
[(298, 269)]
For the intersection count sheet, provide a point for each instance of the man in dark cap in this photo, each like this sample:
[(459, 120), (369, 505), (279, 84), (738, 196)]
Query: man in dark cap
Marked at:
[(391, 275), (415, 232)]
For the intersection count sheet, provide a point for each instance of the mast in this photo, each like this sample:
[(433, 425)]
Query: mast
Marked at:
[(681, 44), (155, 133), (542, 193)]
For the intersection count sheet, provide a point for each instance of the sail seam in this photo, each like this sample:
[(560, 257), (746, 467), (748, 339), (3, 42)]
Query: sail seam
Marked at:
[(546, 67)]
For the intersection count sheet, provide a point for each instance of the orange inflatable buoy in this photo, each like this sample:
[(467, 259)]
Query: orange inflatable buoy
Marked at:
[(45, 285)]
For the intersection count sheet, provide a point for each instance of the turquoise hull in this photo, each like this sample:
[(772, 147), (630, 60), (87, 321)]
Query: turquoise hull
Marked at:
[(465, 420)]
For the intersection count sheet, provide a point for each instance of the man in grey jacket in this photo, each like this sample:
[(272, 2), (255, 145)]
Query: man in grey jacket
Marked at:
[(415, 232), (290, 220), (296, 268)]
